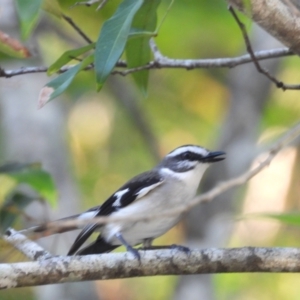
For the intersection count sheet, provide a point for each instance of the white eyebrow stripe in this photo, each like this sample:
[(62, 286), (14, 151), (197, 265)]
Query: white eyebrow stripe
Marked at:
[(119, 196), (147, 189), (195, 149)]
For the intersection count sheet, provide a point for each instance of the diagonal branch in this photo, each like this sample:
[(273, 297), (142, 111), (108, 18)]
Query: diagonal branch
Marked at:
[(77, 28), (280, 18), (65, 225), (259, 68)]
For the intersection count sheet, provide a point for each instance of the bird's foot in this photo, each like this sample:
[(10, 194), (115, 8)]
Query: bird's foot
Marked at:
[(129, 248), (134, 252)]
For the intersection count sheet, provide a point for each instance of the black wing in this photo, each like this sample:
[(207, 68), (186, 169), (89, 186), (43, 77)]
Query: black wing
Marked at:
[(134, 189)]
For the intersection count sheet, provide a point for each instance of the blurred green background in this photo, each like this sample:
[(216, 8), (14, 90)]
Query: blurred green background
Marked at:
[(107, 146)]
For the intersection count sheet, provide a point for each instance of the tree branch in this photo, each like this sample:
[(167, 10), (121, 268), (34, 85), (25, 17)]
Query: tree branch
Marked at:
[(279, 18), (77, 29), (60, 226), (259, 68), (159, 262), (29, 248), (165, 62)]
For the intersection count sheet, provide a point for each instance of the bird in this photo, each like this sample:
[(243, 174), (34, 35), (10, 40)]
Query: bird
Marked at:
[(171, 183)]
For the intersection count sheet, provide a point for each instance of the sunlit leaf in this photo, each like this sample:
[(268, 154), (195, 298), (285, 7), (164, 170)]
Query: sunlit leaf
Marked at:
[(67, 57), (137, 50), (58, 85), (12, 47), (112, 40), (35, 177), (28, 13), (288, 218), (12, 208)]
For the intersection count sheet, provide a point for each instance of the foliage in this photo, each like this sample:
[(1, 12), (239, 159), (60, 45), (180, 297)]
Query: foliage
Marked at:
[(15, 201), (182, 106), (133, 18), (28, 13)]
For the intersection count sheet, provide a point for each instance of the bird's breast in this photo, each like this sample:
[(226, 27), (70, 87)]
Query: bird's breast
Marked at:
[(154, 207)]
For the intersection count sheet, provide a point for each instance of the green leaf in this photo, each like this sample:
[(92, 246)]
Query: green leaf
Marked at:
[(137, 50), (12, 208), (67, 57), (35, 177), (28, 12), (289, 218), (58, 85), (112, 39)]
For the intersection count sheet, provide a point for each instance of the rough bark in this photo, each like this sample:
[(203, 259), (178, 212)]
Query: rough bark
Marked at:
[(159, 262), (278, 17)]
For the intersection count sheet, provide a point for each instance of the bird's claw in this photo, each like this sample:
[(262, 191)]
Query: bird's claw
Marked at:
[(134, 252)]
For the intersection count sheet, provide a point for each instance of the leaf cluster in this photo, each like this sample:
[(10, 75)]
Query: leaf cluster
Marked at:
[(128, 31), (15, 200)]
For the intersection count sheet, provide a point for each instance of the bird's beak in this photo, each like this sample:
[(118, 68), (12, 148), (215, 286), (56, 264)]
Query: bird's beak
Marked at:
[(214, 156)]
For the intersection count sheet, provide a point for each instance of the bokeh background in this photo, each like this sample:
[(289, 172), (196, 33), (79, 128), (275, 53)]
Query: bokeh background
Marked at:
[(93, 142)]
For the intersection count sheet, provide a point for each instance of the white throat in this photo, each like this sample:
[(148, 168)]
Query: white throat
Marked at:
[(190, 178)]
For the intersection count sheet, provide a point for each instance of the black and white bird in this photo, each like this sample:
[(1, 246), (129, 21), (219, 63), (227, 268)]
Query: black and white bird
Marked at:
[(173, 182)]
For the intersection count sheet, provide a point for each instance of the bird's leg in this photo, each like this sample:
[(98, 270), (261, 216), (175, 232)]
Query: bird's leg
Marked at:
[(129, 248), (147, 244)]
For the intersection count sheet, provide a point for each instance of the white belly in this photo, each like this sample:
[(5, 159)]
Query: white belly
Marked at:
[(134, 232)]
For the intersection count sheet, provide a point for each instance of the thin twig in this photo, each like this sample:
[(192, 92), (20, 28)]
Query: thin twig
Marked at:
[(259, 68), (101, 5), (29, 248), (66, 225), (166, 62), (76, 27), (86, 3), (90, 3), (156, 53)]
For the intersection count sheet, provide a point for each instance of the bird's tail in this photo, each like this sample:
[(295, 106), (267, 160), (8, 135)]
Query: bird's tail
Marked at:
[(97, 247)]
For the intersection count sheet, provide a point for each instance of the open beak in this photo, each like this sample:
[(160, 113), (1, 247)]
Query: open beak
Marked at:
[(214, 156)]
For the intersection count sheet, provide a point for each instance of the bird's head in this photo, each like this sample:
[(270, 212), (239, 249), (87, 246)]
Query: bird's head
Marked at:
[(188, 157)]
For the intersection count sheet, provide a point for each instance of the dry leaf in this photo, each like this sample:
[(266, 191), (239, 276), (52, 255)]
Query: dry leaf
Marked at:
[(13, 46), (44, 96)]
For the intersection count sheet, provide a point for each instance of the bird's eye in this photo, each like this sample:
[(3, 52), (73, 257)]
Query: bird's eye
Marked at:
[(187, 155)]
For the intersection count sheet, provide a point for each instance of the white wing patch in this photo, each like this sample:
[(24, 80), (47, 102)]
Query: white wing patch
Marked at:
[(191, 148), (147, 189), (119, 196)]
